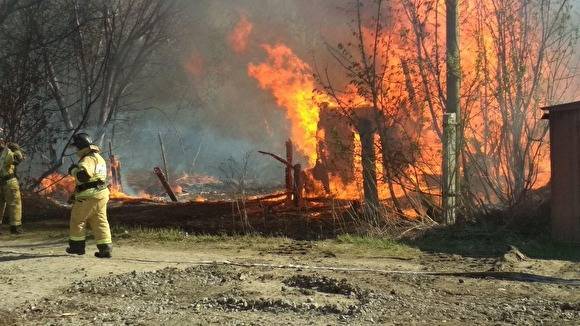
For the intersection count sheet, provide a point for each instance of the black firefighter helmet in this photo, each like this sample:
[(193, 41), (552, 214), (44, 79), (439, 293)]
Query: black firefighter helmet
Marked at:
[(81, 140)]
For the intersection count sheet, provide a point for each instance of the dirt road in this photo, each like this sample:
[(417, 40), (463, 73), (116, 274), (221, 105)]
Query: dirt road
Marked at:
[(152, 282)]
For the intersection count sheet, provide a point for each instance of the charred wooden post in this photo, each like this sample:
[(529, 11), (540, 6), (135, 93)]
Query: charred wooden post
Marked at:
[(115, 170), (165, 184), (298, 186), (163, 157), (289, 159), (320, 171), (297, 189), (116, 173)]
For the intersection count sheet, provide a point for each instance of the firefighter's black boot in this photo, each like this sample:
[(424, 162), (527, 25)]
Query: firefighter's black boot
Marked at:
[(76, 247), (105, 250), (16, 229)]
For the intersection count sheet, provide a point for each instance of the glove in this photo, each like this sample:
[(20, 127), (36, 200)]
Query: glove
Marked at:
[(71, 199), (71, 168)]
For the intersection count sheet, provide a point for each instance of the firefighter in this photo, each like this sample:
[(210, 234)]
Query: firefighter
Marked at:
[(89, 202), (10, 200)]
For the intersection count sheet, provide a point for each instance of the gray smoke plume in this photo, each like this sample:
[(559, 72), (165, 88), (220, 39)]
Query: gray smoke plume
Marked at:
[(200, 96), (202, 100)]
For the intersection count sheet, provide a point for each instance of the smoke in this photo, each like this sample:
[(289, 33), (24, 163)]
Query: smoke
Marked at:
[(201, 98), (238, 38)]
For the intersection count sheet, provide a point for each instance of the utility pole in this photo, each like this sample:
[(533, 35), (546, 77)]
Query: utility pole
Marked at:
[(452, 117)]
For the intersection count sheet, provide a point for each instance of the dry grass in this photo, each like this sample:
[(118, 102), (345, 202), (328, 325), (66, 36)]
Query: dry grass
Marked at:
[(177, 236), (348, 245)]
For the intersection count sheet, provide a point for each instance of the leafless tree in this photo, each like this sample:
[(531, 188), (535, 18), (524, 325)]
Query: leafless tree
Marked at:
[(236, 176), (22, 92), (90, 54), (519, 59), (526, 65)]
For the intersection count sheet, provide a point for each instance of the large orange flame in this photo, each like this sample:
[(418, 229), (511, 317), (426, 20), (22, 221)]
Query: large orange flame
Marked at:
[(412, 48), (58, 186), (290, 80), (61, 187)]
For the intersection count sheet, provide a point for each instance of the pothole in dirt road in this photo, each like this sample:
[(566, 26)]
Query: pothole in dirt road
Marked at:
[(294, 248), (161, 281), (274, 305), (203, 290), (324, 284), (311, 294), (301, 248)]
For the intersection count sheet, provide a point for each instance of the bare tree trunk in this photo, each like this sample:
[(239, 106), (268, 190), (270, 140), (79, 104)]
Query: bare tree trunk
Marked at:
[(369, 160), (388, 177), (57, 93)]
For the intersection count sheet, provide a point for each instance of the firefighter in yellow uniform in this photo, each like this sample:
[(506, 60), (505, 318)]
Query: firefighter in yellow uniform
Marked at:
[(10, 200), (90, 199)]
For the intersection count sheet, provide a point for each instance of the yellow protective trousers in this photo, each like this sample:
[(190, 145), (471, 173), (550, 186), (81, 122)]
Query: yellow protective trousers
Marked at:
[(11, 201), (94, 212)]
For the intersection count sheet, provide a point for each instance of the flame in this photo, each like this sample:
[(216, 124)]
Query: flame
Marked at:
[(141, 197), (117, 195), (238, 38), (61, 187), (290, 80), (353, 189), (177, 189), (57, 186)]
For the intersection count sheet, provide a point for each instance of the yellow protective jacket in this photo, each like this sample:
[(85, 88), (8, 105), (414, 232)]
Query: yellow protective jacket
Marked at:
[(95, 166), (9, 159)]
